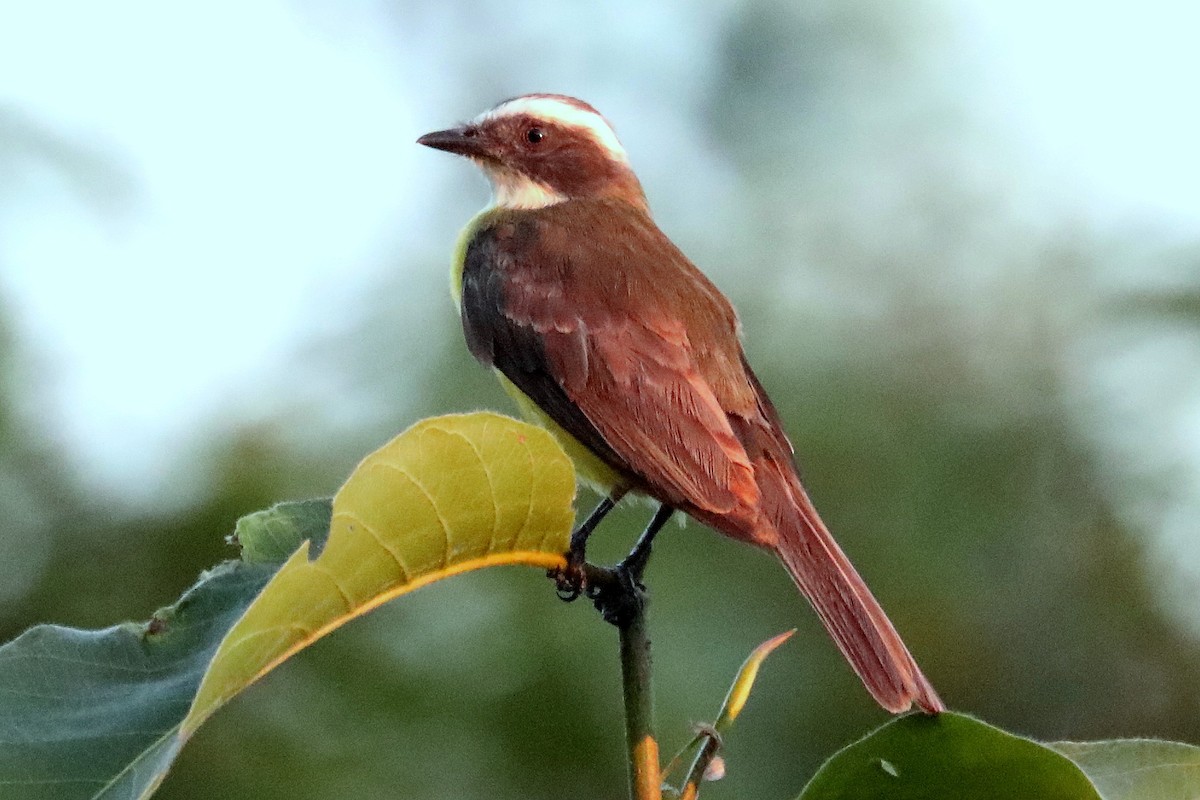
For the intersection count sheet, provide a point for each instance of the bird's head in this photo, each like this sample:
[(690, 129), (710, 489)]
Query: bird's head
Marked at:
[(541, 149)]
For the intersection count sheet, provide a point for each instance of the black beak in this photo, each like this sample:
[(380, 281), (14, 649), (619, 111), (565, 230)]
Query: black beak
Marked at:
[(464, 141)]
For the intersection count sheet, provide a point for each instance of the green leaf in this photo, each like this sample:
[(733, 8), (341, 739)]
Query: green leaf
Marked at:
[(95, 713), (269, 537), (102, 714), (949, 756), (1138, 769)]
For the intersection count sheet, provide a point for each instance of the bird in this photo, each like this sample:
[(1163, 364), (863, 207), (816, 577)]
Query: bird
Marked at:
[(605, 333)]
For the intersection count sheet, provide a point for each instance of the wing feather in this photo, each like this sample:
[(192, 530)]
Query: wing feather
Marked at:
[(592, 294)]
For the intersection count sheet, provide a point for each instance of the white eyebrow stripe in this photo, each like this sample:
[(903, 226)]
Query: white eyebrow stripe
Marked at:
[(554, 110)]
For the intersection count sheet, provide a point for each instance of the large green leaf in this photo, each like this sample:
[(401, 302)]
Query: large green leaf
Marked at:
[(1138, 769), (96, 713), (102, 714), (949, 756)]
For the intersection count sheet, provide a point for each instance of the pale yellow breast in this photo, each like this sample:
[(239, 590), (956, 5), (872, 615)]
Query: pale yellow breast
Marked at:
[(588, 467), (458, 261)]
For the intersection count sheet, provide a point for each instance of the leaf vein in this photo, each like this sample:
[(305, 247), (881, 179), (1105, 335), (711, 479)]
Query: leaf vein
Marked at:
[(432, 503), (483, 463), (400, 563)]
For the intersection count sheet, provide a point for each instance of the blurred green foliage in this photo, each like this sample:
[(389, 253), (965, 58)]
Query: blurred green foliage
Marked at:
[(919, 336)]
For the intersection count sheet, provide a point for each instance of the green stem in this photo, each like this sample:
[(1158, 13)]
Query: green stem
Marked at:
[(622, 602), (645, 778)]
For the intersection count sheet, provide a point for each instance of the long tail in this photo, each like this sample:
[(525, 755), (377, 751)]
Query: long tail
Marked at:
[(841, 599)]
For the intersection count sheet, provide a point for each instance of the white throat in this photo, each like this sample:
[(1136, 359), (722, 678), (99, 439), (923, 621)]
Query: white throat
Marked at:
[(516, 191)]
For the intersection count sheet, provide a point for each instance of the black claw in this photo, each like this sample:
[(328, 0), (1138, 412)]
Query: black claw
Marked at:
[(569, 580)]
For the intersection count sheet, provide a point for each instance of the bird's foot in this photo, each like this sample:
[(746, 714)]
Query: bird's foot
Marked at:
[(634, 564), (619, 599), (569, 579)]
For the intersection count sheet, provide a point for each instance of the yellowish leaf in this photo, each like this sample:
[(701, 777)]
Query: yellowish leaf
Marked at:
[(448, 495), (739, 692)]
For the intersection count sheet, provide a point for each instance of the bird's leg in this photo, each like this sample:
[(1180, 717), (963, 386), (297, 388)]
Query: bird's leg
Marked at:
[(569, 580), (619, 598), (635, 562)]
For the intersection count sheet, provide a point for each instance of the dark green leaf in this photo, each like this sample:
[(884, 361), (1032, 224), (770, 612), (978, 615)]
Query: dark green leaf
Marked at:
[(948, 756), (94, 713)]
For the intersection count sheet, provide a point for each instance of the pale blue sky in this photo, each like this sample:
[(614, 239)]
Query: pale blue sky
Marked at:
[(267, 147)]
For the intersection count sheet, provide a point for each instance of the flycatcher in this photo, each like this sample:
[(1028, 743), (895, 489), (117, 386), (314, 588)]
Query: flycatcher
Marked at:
[(606, 333)]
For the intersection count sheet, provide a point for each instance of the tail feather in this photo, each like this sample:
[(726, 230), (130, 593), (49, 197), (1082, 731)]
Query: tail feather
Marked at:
[(841, 599)]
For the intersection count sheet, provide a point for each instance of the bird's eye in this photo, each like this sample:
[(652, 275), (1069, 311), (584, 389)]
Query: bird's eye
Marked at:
[(534, 135)]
